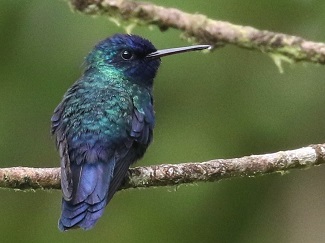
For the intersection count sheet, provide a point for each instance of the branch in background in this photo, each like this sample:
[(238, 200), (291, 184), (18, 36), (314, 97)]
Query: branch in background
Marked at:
[(176, 174), (281, 47)]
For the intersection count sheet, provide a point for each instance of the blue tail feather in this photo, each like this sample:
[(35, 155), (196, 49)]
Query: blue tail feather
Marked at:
[(90, 191), (71, 211)]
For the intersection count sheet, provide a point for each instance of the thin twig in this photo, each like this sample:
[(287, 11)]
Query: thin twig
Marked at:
[(175, 174), (281, 47)]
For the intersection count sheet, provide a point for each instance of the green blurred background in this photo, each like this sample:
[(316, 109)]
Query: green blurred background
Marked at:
[(229, 103)]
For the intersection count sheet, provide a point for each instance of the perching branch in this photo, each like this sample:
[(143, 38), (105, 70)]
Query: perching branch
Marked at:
[(176, 174), (281, 47)]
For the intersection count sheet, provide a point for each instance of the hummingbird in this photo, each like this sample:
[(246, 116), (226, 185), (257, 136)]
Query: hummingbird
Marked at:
[(105, 123)]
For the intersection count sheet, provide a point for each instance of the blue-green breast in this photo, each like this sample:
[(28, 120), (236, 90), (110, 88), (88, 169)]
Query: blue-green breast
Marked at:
[(99, 109)]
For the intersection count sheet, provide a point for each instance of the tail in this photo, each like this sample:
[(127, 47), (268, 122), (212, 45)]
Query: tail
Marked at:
[(90, 191), (82, 215)]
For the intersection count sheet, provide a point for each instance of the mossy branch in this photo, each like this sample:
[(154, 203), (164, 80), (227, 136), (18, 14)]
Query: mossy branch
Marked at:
[(201, 29), (24, 178)]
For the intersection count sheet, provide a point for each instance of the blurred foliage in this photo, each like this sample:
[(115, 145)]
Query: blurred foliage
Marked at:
[(229, 103)]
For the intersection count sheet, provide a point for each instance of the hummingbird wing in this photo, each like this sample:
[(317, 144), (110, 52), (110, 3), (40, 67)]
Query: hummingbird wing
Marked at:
[(58, 129), (141, 133)]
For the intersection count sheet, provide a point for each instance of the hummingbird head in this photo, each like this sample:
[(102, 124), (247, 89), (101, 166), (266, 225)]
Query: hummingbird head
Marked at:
[(135, 57), (126, 54)]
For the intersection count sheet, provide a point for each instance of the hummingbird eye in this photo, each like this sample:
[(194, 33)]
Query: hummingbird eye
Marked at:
[(126, 55)]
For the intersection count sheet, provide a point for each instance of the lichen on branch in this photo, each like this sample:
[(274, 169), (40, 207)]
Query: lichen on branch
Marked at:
[(23, 178), (201, 29)]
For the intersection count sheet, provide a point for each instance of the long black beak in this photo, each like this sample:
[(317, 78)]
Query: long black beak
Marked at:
[(171, 51)]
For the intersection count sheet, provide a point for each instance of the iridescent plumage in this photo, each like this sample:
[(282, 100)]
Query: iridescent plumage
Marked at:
[(104, 124)]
